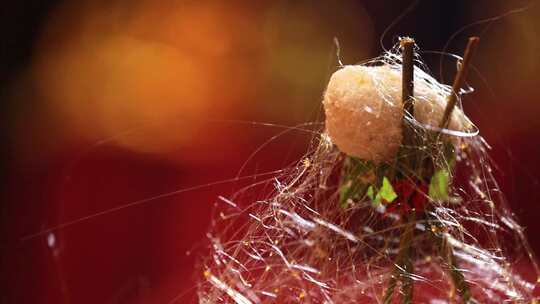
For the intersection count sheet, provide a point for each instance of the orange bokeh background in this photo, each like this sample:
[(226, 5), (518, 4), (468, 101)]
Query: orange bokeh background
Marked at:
[(121, 101)]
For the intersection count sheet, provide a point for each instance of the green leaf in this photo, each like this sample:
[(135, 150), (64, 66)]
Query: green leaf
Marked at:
[(387, 192), (361, 179), (438, 186)]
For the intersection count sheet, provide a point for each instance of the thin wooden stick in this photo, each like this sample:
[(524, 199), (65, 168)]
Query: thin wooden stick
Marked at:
[(409, 141), (406, 289), (458, 81), (407, 85), (404, 265)]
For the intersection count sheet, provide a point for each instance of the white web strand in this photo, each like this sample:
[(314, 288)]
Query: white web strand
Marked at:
[(297, 244)]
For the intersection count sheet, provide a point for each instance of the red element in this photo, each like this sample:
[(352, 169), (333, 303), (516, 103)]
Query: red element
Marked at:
[(411, 194)]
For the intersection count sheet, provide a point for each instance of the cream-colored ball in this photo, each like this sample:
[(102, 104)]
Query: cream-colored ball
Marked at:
[(364, 111)]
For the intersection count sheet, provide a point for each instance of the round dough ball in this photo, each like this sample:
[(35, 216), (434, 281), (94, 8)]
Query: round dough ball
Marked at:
[(364, 111)]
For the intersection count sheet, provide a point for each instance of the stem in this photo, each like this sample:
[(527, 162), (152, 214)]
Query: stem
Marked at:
[(409, 142), (387, 299), (407, 265), (407, 85), (403, 264), (458, 81), (446, 249), (455, 273), (407, 96), (434, 138)]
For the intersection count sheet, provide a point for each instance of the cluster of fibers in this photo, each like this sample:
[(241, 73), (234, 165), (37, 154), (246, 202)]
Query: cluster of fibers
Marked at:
[(296, 244)]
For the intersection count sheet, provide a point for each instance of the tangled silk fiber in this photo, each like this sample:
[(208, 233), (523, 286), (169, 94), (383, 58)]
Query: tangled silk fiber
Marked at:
[(303, 242)]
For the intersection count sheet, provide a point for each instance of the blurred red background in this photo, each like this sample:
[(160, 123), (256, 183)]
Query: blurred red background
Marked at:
[(113, 102)]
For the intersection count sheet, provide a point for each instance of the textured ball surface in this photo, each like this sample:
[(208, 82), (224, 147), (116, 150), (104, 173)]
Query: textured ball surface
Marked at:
[(364, 112)]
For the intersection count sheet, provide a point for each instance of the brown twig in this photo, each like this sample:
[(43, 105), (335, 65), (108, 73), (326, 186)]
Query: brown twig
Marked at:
[(460, 284), (403, 264), (458, 81), (406, 263), (447, 252), (407, 97), (407, 85)]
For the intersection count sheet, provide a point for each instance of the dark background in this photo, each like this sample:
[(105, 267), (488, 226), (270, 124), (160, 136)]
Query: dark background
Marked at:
[(108, 103)]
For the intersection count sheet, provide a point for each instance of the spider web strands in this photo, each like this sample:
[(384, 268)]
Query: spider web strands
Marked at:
[(308, 128), (141, 202), (235, 295), (295, 243)]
